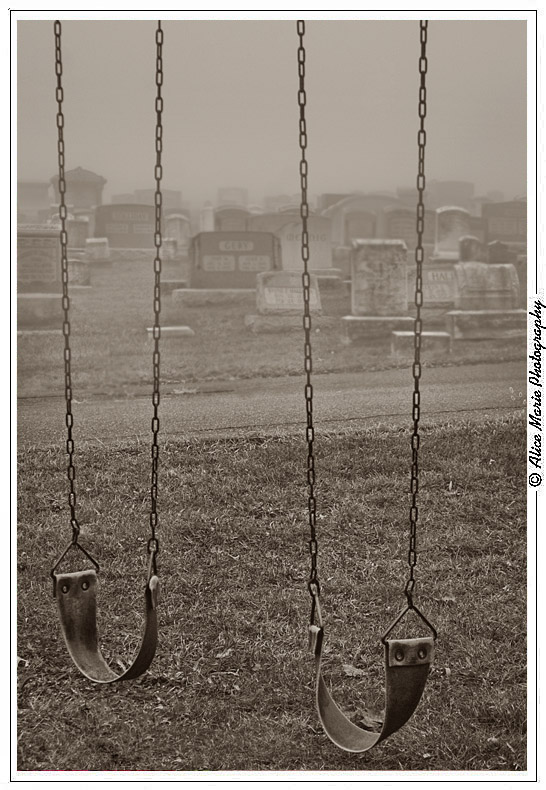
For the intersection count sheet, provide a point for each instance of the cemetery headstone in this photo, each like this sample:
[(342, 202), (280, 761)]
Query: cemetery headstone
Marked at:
[(126, 226), (281, 293), (206, 218), (452, 222), (379, 273), (38, 259), (359, 225), (169, 249), (279, 302), (471, 249), (506, 221), (77, 230), (39, 280), (499, 252), (485, 286), (401, 224), (177, 226), (231, 259), (97, 250), (521, 269), (230, 218), (78, 272), (320, 243)]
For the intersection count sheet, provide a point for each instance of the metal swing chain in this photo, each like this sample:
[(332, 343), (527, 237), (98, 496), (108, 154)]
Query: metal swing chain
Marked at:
[(69, 419), (313, 584), (418, 326), (153, 543)]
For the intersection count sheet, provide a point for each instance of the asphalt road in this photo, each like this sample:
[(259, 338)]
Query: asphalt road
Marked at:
[(269, 406)]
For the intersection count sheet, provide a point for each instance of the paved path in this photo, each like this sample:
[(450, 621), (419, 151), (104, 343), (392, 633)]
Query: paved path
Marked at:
[(277, 405)]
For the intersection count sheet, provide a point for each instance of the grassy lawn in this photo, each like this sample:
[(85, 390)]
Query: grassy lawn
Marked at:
[(112, 355), (231, 685)]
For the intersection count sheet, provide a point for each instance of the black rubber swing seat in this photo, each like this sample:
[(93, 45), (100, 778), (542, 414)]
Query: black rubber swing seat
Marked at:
[(76, 595), (407, 665)]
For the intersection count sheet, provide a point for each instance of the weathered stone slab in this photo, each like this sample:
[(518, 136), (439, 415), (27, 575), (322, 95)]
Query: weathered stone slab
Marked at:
[(403, 343), (486, 286), (379, 277), (282, 292), (203, 297), (288, 323), (168, 286), (38, 259), (370, 329), (172, 331), (486, 324)]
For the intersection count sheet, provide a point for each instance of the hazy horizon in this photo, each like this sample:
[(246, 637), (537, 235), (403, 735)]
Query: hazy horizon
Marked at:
[(231, 114)]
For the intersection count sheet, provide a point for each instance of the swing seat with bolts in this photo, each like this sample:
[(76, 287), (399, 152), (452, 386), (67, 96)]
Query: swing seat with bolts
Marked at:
[(76, 593), (407, 661)]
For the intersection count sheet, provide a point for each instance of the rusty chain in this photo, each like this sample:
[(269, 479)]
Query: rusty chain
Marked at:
[(418, 325), (313, 583)]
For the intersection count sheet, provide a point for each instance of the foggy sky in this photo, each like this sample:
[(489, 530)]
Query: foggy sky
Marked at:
[(231, 114)]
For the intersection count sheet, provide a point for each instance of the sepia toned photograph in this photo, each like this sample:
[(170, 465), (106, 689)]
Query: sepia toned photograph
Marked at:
[(275, 443)]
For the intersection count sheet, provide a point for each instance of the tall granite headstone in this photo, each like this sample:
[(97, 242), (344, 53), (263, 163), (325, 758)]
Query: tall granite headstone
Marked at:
[(38, 259), (379, 272)]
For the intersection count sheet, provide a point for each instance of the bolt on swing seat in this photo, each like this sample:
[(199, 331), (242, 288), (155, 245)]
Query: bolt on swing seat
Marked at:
[(76, 592), (407, 661)]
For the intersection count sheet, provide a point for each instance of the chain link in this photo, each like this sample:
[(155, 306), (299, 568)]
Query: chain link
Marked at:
[(313, 584), (418, 325), (61, 183), (153, 543)]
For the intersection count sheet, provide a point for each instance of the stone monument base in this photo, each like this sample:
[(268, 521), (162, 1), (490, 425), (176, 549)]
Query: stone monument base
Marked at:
[(403, 344), (39, 310), (201, 297), (171, 331), (287, 323), (329, 279), (168, 286), (369, 328), (486, 324), (39, 332)]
